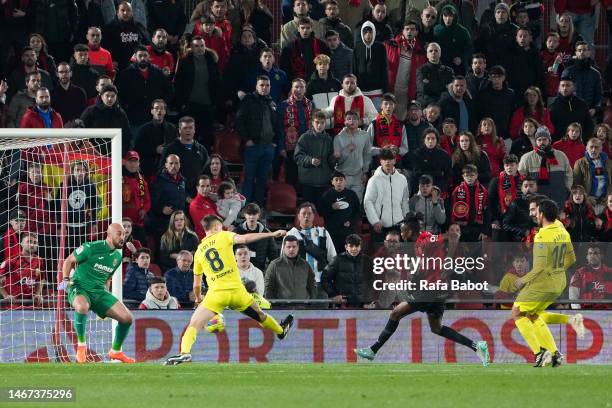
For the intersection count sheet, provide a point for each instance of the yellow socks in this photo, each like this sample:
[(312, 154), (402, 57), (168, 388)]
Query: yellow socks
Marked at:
[(271, 324), (554, 318), (527, 330), (189, 338), (544, 336)]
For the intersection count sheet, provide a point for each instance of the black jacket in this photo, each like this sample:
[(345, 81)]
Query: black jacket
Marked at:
[(524, 68), (169, 15), (370, 66), (346, 35), (567, 109), (521, 146), (496, 41), (435, 162), (516, 222), (335, 219), (55, 20), (483, 166), (85, 76), (431, 82), (242, 62), (316, 85), (184, 78), (449, 108), (249, 117), (137, 93), (351, 277), (121, 38), (166, 191), (494, 203), (192, 161), (263, 249), (101, 116), (497, 105), (150, 136)]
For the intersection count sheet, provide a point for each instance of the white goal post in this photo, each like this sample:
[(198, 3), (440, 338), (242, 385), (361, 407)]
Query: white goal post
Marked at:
[(57, 152)]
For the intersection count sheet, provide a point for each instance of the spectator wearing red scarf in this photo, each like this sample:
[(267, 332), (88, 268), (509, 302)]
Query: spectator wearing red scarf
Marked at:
[(592, 281), (135, 193), (469, 206), (549, 166), (503, 190)]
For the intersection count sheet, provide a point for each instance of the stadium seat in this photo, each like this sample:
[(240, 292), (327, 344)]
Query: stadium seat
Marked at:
[(155, 269), (282, 199), (227, 144)]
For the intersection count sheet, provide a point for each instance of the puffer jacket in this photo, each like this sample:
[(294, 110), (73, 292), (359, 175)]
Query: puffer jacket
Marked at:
[(350, 276), (386, 198)]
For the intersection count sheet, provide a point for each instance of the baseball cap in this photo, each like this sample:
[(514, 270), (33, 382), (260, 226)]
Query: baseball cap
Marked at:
[(18, 215)]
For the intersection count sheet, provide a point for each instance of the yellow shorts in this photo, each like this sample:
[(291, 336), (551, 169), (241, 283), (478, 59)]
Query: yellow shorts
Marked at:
[(235, 299), (532, 307)]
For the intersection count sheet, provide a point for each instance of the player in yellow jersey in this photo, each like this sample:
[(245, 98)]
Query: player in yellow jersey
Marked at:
[(214, 258), (553, 254)]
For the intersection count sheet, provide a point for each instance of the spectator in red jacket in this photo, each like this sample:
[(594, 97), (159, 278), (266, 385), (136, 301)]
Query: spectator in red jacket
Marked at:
[(135, 193), (491, 144), (213, 37), (100, 58), (552, 59), (405, 54), (533, 107), (583, 16), (571, 144), (34, 196), (158, 54), (23, 275), (592, 281), (202, 205), (17, 224), (41, 115)]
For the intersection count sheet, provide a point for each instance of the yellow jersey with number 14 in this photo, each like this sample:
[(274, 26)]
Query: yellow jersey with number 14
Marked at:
[(553, 254), (215, 259)]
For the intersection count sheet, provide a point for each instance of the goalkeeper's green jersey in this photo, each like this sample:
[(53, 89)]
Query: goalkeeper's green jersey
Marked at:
[(96, 263)]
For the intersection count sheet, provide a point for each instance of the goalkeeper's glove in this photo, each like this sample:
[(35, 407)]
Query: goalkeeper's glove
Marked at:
[(63, 285), (250, 286)]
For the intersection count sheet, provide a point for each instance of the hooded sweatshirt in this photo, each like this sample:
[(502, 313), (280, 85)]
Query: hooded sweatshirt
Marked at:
[(151, 302), (454, 40), (370, 63)]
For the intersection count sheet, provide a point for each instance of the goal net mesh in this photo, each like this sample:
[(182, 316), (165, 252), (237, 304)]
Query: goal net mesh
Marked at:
[(55, 194)]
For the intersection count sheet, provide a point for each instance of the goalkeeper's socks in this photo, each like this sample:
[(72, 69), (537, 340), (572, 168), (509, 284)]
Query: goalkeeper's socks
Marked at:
[(387, 332), (555, 318), (80, 324), (189, 338), (544, 335), (527, 330), (457, 337), (270, 323), (120, 334)]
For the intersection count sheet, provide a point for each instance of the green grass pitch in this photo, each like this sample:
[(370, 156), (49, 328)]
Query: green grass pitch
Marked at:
[(318, 385)]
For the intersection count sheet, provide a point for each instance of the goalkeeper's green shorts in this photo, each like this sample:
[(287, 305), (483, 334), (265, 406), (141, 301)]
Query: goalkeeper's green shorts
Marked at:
[(99, 300)]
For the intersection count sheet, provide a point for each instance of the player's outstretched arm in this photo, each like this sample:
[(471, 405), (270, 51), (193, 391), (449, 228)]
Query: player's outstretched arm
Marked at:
[(68, 266), (248, 238)]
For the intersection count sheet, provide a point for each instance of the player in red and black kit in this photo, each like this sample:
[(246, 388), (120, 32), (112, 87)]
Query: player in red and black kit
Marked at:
[(432, 303), (22, 276), (593, 281)]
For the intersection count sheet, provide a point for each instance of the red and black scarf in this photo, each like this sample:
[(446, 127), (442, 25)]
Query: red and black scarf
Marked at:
[(507, 190), (462, 204), (547, 159), (387, 132), (339, 106), (291, 118)]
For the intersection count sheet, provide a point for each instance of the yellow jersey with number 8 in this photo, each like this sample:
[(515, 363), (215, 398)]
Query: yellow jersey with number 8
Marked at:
[(215, 259)]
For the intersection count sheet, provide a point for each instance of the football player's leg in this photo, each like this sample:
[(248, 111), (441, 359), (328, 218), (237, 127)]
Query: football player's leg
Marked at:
[(200, 317), (398, 312), (555, 318), (124, 318), (525, 326), (435, 324)]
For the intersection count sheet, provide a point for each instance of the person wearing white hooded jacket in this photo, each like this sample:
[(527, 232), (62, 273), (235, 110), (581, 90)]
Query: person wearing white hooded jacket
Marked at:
[(386, 197)]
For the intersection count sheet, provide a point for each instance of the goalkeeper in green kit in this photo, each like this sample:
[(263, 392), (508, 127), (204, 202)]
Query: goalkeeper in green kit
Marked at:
[(94, 264)]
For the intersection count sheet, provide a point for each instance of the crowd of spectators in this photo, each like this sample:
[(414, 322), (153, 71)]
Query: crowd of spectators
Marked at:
[(357, 115)]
